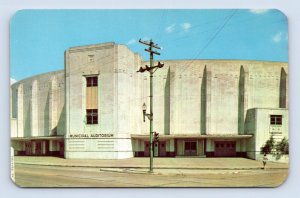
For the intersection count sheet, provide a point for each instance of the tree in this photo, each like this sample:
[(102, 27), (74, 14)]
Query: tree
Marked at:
[(269, 146), (282, 148)]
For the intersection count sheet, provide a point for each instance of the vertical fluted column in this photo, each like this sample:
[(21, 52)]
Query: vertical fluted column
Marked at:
[(20, 114), (283, 89), (34, 109), (242, 100)]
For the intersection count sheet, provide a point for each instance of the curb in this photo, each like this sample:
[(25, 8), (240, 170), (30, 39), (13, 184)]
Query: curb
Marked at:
[(145, 167)]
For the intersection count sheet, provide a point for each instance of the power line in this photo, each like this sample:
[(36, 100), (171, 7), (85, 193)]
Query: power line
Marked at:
[(210, 40), (195, 26), (159, 31)]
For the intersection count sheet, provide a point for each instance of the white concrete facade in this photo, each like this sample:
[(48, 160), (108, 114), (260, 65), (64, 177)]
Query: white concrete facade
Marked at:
[(200, 106)]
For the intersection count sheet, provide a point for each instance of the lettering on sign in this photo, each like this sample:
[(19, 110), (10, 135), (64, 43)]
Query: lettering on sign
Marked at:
[(276, 133), (275, 130), (91, 135)]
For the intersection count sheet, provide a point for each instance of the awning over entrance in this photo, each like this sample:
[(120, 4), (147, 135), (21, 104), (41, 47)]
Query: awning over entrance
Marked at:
[(194, 136), (37, 138)]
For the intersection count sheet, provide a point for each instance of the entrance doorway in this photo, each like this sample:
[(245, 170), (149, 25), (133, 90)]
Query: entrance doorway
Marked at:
[(61, 149), (147, 149), (190, 148), (225, 149), (28, 148), (162, 149), (38, 148), (159, 149)]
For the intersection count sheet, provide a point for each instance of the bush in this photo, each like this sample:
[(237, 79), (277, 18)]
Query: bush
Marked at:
[(268, 147), (282, 148)]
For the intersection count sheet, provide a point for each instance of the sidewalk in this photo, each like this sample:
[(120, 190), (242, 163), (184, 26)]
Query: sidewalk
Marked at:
[(159, 163)]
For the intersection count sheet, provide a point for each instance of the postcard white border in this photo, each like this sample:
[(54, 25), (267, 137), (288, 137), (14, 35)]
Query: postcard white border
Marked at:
[(289, 188)]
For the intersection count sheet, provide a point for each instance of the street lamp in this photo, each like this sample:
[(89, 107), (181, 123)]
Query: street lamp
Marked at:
[(149, 115), (144, 110)]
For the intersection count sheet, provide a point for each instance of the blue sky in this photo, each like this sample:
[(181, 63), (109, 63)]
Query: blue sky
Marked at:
[(38, 38)]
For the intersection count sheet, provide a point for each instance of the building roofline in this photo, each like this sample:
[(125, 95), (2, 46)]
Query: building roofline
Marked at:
[(37, 76), (224, 60), (91, 46)]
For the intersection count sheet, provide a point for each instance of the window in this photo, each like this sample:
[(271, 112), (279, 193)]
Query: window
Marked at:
[(187, 146), (92, 81), (92, 116), (276, 119), (193, 146), (92, 100), (190, 146)]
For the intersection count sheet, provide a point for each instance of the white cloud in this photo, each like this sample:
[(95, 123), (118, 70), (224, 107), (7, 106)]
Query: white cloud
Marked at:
[(278, 37), (170, 28), (259, 11), (12, 81), (183, 26), (186, 26), (146, 38), (130, 42)]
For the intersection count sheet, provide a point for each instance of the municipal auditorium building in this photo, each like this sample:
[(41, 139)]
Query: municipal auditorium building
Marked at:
[(202, 108)]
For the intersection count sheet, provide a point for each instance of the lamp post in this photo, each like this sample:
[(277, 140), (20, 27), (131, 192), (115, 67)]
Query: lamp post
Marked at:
[(144, 107), (151, 70), (149, 115)]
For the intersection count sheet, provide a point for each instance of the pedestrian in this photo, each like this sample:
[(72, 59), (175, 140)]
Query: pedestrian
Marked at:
[(265, 159)]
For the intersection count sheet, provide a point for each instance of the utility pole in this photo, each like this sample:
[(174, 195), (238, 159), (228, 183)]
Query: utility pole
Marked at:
[(151, 70)]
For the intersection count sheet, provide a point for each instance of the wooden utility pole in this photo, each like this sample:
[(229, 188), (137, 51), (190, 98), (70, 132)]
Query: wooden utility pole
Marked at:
[(151, 70)]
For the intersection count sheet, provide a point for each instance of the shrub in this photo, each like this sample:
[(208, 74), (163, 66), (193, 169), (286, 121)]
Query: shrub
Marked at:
[(268, 147), (282, 148)]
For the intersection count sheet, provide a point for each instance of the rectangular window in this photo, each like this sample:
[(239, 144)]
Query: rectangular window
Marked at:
[(92, 100), (92, 116), (92, 81), (276, 119), (193, 146), (187, 146)]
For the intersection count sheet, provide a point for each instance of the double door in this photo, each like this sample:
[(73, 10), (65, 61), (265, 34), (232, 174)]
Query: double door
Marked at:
[(159, 149), (190, 148), (225, 149)]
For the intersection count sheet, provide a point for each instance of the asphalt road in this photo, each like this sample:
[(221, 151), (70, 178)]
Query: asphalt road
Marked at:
[(60, 176)]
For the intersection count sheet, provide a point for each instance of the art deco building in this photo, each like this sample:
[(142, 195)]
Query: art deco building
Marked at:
[(93, 108)]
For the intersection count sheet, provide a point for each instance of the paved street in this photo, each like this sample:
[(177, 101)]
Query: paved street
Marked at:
[(179, 172)]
